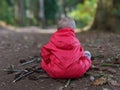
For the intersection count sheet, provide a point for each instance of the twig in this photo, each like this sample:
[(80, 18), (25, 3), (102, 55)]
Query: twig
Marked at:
[(34, 59), (28, 62), (100, 74), (23, 75), (68, 83), (108, 64), (29, 71), (98, 56), (110, 86), (13, 70)]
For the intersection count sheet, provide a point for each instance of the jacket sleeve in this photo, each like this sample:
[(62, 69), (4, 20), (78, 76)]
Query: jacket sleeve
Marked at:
[(82, 51), (45, 54)]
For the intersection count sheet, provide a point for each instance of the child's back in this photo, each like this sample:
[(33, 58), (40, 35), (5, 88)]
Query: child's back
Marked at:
[(63, 56)]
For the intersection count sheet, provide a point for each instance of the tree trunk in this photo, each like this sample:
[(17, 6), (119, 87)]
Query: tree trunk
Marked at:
[(20, 12), (61, 9), (106, 18), (41, 12)]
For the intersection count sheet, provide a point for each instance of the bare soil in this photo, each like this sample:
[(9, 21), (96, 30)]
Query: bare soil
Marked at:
[(104, 46)]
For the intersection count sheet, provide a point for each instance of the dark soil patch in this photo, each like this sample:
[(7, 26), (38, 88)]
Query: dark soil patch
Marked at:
[(105, 48)]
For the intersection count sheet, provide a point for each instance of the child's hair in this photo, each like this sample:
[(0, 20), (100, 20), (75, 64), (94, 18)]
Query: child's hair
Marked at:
[(66, 22)]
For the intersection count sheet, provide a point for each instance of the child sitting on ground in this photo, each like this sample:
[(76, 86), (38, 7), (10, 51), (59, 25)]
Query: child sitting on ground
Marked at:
[(63, 56)]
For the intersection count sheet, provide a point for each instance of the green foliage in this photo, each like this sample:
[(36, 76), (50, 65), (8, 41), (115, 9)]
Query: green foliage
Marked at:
[(116, 10), (6, 11), (72, 3), (51, 9), (84, 13), (33, 7)]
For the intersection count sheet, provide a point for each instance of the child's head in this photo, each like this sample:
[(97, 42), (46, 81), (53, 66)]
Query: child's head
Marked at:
[(66, 22)]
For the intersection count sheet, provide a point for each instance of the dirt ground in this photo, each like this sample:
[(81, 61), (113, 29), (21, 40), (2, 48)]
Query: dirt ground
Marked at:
[(104, 46)]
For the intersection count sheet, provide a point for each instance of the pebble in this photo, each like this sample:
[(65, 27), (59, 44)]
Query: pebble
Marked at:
[(92, 78), (105, 89)]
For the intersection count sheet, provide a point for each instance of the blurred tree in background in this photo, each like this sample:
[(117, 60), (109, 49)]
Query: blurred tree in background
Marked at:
[(19, 12), (51, 9), (6, 11), (46, 12), (107, 16), (103, 14), (28, 12), (84, 12), (66, 6)]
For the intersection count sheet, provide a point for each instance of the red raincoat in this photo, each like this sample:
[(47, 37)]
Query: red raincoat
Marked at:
[(63, 56)]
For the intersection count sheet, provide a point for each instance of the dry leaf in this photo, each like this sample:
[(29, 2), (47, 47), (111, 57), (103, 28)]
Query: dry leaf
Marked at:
[(113, 71), (117, 60), (95, 67), (114, 83), (100, 81)]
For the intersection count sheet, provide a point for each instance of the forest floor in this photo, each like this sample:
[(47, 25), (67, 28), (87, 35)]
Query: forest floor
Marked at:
[(23, 44)]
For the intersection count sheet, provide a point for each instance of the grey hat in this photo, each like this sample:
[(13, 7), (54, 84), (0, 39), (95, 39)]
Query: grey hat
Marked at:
[(66, 22)]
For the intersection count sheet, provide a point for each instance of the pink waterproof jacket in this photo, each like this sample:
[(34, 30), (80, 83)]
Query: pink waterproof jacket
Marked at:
[(63, 56)]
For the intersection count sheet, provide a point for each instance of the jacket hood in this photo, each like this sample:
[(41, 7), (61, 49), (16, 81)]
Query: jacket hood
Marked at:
[(64, 39)]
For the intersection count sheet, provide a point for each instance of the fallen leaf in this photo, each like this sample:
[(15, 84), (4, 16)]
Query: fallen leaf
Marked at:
[(117, 60), (113, 82), (100, 81), (113, 71), (95, 67)]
